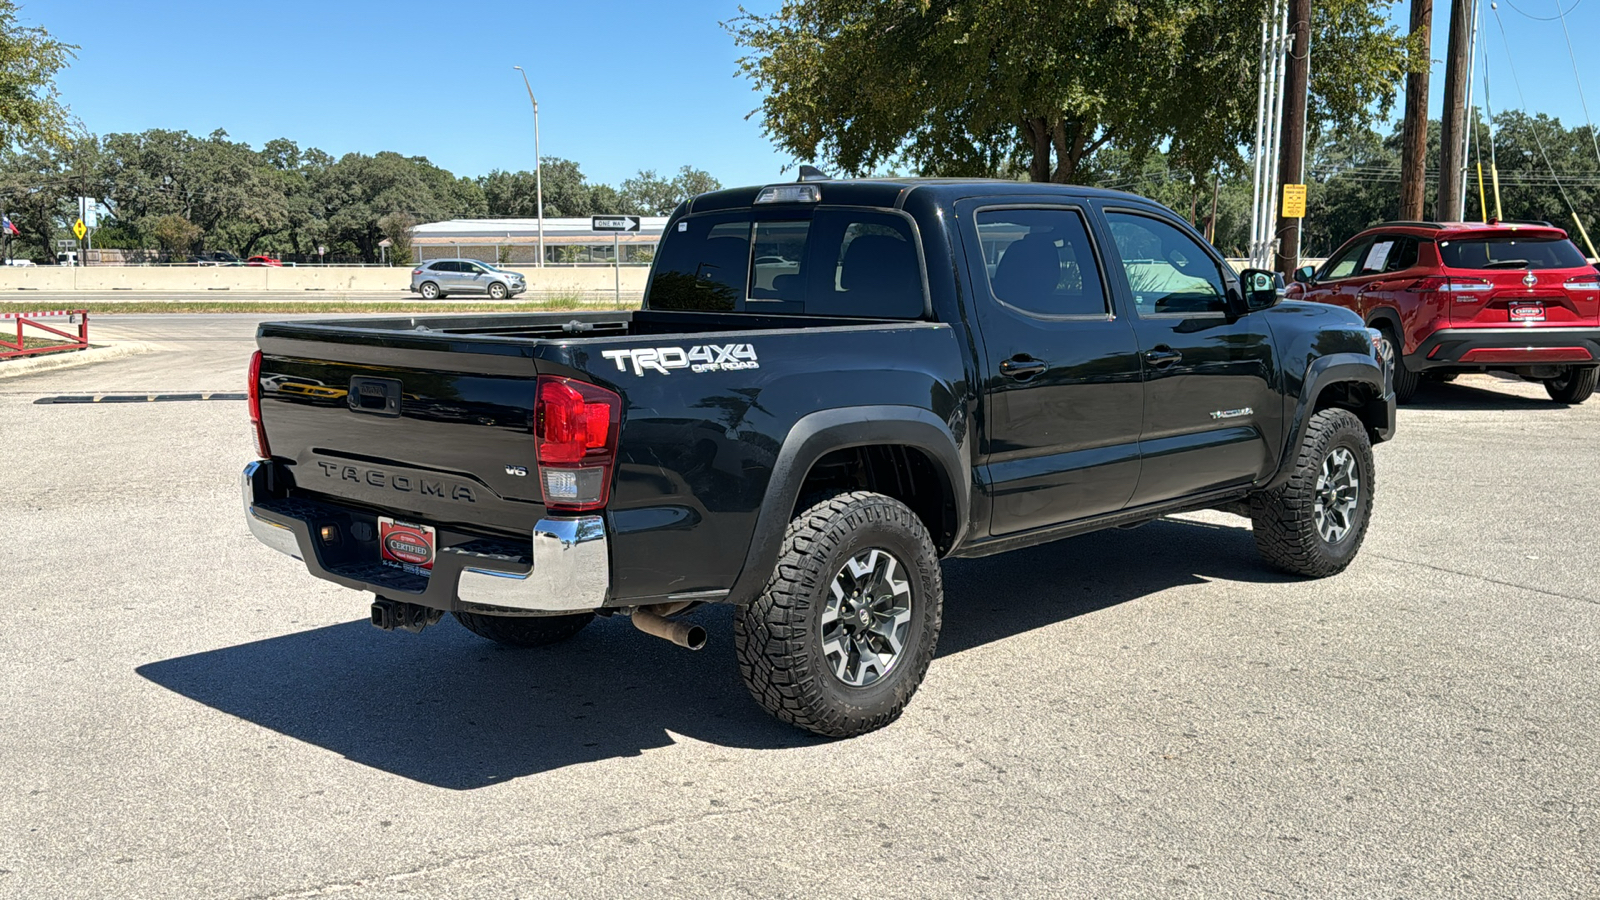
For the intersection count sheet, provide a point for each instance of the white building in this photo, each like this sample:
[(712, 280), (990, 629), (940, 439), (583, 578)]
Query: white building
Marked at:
[(516, 241)]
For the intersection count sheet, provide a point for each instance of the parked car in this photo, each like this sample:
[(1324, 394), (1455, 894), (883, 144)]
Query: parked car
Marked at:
[(443, 277), (955, 368), (67, 258), (19, 262), (263, 261), (215, 258), (1467, 297)]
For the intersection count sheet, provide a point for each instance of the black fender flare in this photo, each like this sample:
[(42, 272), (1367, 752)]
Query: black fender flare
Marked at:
[(1336, 368), (820, 433)]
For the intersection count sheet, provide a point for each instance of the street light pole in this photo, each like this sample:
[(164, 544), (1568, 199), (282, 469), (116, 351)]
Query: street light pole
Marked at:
[(538, 174)]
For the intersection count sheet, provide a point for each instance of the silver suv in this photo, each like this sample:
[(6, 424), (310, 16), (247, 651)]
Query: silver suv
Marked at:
[(443, 277)]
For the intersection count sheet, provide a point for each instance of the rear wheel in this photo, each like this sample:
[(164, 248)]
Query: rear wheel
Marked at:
[(1572, 386), (1314, 523), (497, 291), (844, 632), (430, 291), (524, 631), (1405, 380)]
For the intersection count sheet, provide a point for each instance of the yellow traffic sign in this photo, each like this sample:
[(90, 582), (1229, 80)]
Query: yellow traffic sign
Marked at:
[(80, 229), (1294, 201)]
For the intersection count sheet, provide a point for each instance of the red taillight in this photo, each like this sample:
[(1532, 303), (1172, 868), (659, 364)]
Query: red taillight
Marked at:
[(1584, 283), (575, 429), (416, 271), (254, 388)]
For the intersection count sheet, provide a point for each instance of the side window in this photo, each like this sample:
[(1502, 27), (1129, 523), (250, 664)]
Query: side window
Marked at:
[(1168, 272), (446, 266), (702, 264), (1345, 264), (1041, 261), (471, 268), (1403, 257)]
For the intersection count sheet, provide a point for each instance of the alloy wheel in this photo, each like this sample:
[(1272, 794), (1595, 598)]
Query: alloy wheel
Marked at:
[(866, 618), (1338, 492)]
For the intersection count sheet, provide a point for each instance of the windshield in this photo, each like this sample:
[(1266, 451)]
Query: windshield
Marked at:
[(1511, 253)]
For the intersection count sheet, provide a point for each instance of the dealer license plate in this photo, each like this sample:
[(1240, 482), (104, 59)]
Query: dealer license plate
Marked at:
[(406, 545), (1527, 312)]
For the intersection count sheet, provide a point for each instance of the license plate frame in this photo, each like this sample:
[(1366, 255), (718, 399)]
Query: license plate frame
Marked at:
[(411, 546), (1526, 311)]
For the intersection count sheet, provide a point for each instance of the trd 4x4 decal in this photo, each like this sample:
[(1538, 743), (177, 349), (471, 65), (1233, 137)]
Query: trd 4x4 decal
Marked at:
[(702, 358)]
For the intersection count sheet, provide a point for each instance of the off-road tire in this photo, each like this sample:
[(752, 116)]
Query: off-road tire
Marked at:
[(778, 636), (1573, 387), (1405, 380), (425, 287), (1283, 518), (524, 631), (497, 286)]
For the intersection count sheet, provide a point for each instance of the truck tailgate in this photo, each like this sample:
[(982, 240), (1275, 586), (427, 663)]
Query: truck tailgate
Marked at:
[(405, 427)]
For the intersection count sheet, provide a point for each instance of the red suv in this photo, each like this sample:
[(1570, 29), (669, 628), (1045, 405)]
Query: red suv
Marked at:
[(1464, 297)]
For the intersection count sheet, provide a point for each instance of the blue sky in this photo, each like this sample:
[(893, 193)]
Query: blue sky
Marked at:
[(622, 85)]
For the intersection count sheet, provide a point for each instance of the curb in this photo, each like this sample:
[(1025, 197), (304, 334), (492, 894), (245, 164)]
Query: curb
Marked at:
[(28, 365)]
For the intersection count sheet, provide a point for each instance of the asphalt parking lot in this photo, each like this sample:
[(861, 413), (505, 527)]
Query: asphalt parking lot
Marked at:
[(1138, 713)]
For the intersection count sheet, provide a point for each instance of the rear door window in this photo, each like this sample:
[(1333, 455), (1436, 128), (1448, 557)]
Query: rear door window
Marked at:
[(1511, 253), (1040, 261)]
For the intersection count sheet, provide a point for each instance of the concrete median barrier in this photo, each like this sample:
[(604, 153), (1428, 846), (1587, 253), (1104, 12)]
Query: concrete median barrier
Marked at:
[(255, 279)]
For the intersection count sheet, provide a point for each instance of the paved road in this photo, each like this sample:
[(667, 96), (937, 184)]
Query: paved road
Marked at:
[(1136, 714)]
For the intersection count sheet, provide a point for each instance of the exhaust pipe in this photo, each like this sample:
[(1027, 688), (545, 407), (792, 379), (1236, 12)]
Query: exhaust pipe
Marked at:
[(684, 634)]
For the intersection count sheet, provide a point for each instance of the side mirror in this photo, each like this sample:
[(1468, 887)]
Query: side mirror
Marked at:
[(1262, 289), (1306, 275)]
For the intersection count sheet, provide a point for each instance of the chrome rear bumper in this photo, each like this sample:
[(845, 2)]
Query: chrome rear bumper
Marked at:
[(564, 567)]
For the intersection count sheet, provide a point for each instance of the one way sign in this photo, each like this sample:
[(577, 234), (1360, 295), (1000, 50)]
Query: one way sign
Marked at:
[(613, 223)]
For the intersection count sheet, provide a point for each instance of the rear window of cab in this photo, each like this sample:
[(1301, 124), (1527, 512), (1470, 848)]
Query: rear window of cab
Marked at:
[(831, 262)]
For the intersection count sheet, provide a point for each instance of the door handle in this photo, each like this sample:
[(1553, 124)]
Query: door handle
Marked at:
[(1163, 356), (1022, 367)]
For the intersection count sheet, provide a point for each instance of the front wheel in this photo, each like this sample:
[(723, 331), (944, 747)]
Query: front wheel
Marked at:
[(842, 636), (1573, 386), (497, 291), (1314, 523)]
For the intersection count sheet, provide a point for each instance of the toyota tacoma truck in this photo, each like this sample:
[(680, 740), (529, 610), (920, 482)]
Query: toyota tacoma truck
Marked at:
[(831, 386)]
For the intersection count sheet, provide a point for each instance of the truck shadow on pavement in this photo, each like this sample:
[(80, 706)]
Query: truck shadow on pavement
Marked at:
[(1456, 397), (448, 709)]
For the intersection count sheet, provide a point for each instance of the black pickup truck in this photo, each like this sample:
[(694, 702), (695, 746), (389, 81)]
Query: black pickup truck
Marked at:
[(831, 386)]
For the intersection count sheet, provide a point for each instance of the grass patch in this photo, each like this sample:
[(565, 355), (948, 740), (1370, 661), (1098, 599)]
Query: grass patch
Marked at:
[(36, 343), (553, 304)]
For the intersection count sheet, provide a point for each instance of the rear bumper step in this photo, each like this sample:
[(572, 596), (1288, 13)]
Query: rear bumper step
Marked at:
[(564, 567), (1500, 347)]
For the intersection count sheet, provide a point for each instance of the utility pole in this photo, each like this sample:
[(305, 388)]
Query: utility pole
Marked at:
[(1452, 153), (1414, 134), (1292, 161)]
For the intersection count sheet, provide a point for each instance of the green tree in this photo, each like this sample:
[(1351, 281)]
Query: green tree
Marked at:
[(30, 106), (997, 87), (175, 234)]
